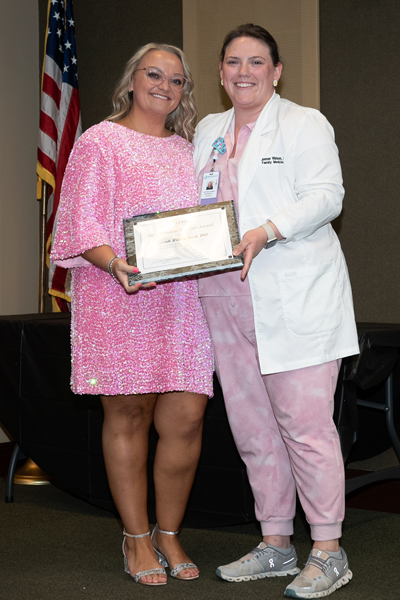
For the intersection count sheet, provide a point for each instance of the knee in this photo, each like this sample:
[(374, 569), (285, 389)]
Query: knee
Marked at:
[(189, 425), (186, 426), (128, 417)]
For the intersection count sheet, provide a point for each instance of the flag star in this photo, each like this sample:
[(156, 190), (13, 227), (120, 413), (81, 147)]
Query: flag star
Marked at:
[(66, 67), (68, 45), (59, 32), (61, 49), (49, 31), (74, 60), (71, 22), (56, 16), (54, 1)]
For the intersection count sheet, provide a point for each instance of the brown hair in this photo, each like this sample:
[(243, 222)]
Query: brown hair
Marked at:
[(254, 31)]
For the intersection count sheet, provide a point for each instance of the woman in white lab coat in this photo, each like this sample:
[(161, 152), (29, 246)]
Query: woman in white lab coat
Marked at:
[(282, 324)]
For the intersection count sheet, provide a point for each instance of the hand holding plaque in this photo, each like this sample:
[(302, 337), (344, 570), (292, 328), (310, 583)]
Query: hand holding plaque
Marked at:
[(184, 242)]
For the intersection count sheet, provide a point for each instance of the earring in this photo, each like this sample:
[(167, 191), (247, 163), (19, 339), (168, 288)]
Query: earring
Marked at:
[(275, 82), (222, 82)]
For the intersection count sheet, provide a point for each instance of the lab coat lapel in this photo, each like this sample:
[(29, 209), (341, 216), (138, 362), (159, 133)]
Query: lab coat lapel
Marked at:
[(210, 137)]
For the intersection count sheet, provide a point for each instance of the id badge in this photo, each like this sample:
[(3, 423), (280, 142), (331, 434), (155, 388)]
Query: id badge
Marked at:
[(209, 187)]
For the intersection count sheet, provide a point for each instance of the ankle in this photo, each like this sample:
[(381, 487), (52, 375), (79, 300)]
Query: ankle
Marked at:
[(279, 541), (327, 546), (164, 541), (137, 544)]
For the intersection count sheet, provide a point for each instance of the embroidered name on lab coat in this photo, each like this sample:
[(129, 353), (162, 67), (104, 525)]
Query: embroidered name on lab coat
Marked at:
[(272, 160)]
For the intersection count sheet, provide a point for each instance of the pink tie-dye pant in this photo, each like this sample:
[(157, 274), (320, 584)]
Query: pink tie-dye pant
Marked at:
[(282, 425)]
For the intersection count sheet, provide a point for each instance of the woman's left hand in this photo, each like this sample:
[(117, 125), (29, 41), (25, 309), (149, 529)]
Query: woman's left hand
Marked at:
[(121, 269), (252, 243)]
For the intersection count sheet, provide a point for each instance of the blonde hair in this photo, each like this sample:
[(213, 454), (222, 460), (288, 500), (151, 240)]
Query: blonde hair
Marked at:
[(183, 119)]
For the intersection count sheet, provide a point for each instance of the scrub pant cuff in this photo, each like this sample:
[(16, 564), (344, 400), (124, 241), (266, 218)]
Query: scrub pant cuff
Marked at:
[(323, 533), (277, 527)]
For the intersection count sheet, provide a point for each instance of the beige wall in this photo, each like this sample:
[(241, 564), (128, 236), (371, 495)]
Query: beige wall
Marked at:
[(293, 23), (360, 91), (19, 109)]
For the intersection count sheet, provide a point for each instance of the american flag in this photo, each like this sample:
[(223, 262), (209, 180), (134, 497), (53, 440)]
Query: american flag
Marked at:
[(60, 125)]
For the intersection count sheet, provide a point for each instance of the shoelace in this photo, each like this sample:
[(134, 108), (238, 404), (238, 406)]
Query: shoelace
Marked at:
[(317, 562)]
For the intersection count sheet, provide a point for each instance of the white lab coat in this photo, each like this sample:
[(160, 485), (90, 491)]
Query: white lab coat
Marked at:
[(290, 174)]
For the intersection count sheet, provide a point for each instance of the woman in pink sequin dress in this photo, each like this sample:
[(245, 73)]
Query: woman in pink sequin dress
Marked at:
[(145, 349)]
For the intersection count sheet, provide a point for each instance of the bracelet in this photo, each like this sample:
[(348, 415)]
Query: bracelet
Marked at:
[(110, 270)]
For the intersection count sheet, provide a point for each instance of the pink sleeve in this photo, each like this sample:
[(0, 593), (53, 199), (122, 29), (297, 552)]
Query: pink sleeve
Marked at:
[(85, 213)]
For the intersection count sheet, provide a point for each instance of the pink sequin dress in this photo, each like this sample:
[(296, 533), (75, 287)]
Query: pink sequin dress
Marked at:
[(153, 341)]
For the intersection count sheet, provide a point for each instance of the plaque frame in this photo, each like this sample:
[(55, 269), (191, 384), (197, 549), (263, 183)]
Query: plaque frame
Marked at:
[(233, 262)]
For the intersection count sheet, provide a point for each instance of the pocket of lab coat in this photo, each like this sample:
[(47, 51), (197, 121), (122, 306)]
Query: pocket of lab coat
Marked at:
[(311, 298)]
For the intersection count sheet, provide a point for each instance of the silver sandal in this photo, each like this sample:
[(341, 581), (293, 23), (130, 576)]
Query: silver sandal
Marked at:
[(163, 561), (140, 574)]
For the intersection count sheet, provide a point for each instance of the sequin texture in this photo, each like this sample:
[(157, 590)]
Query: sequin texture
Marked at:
[(153, 341)]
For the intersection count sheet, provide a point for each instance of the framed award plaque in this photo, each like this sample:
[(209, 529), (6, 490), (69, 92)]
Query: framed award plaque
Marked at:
[(180, 243)]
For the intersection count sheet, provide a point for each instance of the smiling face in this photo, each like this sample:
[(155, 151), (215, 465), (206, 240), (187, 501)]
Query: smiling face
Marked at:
[(152, 96), (248, 74)]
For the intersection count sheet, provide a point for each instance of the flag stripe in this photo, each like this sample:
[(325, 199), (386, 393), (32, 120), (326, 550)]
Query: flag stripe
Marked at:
[(59, 277), (49, 107), (67, 140), (70, 129), (79, 128), (53, 70), (48, 126), (48, 146), (51, 88), (46, 162), (49, 228), (66, 92)]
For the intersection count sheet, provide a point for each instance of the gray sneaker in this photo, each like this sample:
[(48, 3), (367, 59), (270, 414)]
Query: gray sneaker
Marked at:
[(322, 575), (261, 562)]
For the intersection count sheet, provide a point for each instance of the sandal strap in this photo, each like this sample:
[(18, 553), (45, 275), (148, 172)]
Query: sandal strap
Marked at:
[(141, 574), (166, 532), (141, 535), (178, 568)]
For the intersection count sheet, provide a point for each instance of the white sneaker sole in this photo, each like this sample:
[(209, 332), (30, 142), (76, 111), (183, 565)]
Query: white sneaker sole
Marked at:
[(257, 575), (340, 583)]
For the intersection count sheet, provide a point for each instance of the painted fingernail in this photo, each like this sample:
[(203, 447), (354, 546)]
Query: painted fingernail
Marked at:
[(136, 270)]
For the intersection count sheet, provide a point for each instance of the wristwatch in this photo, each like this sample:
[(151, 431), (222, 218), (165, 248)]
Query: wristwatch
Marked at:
[(272, 239)]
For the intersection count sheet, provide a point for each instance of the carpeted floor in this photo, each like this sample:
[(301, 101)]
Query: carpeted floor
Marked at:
[(56, 547)]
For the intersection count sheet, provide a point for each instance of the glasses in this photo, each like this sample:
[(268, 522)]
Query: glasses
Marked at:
[(156, 77)]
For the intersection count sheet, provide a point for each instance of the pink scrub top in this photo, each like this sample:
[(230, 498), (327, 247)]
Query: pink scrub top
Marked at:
[(229, 282)]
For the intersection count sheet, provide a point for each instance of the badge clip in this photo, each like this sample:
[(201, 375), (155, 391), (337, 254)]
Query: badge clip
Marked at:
[(219, 148)]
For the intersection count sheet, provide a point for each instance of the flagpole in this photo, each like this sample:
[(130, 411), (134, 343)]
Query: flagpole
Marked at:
[(60, 125), (42, 265), (29, 473), (60, 88)]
